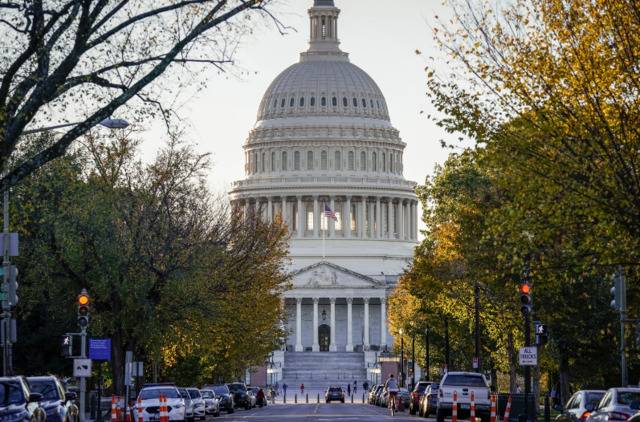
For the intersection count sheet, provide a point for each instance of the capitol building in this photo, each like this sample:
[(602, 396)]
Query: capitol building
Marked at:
[(323, 144)]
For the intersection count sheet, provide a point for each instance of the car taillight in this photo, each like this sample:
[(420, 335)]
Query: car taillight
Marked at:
[(584, 416), (617, 416)]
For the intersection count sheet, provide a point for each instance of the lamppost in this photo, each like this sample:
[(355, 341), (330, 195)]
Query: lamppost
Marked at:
[(427, 362), (401, 332), (413, 356), (447, 354)]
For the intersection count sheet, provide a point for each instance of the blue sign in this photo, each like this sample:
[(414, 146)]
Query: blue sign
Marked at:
[(100, 349)]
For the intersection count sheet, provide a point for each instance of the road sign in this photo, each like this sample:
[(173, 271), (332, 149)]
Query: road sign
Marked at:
[(475, 362), (100, 349), (528, 356), (82, 368)]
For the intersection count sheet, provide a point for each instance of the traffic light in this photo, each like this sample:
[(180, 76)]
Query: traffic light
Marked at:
[(66, 345), (618, 293), (541, 333), (83, 308), (525, 296)]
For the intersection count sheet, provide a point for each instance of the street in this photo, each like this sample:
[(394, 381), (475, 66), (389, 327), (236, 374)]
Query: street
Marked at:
[(316, 412)]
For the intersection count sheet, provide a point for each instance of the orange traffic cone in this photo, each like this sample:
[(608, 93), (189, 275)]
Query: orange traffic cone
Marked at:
[(114, 409), (127, 413), (164, 415), (493, 408), (472, 411), (141, 419), (454, 407), (507, 411)]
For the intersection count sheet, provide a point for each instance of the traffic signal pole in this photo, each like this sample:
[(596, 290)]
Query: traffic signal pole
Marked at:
[(527, 369), (83, 381), (7, 366)]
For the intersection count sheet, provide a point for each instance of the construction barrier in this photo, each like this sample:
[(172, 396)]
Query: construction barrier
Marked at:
[(164, 414), (114, 409), (507, 411), (454, 407), (493, 408), (472, 410), (140, 418)]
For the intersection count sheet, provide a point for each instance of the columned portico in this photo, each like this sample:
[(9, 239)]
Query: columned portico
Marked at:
[(349, 324), (316, 344)]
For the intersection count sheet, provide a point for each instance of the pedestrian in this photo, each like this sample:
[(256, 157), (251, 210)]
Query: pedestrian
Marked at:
[(284, 388), (349, 389), (355, 387), (365, 385), (301, 389), (277, 388)]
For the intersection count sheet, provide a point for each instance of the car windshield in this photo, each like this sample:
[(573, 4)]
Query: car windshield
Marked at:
[(237, 387), (628, 397), (335, 389), (464, 380), (45, 387), (221, 389), (10, 393), (594, 398), (206, 394), (194, 394), (154, 393), (421, 387)]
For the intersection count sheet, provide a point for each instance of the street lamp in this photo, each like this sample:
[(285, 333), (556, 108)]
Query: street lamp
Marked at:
[(426, 354), (108, 123), (413, 357), (401, 332)]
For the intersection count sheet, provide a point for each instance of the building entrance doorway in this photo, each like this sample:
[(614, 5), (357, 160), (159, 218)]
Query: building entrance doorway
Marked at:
[(324, 337)]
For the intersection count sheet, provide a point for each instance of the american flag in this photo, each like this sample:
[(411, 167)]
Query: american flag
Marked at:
[(328, 212)]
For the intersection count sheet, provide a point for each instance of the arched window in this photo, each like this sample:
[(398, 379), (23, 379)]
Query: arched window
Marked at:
[(364, 103), (363, 161), (338, 160), (323, 160), (345, 102), (296, 160), (384, 162), (301, 101), (292, 102), (309, 160), (255, 162), (391, 162), (275, 102), (355, 102), (371, 103), (378, 103), (351, 161), (313, 101), (374, 161), (273, 161), (334, 102), (324, 101), (282, 104), (284, 160), (262, 164)]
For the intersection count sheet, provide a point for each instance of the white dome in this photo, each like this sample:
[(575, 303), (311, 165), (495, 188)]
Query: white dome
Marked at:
[(331, 86)]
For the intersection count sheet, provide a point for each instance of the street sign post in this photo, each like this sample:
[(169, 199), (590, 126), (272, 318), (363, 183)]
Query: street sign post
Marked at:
[(528, 356), (82, 368)]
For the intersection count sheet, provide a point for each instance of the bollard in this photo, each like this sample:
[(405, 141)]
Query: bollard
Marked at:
[(507, 411), (454, 407), (318, 398), (307, 398), (547, 409), (352, 398), (295, 398), (493, 408)]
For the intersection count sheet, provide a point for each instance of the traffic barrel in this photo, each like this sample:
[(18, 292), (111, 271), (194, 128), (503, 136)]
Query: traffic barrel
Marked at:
[(507, 411), (454, 407), (127, 413), (141, 419), (114, 409), (472, 411), (493, 408), (164, 416)]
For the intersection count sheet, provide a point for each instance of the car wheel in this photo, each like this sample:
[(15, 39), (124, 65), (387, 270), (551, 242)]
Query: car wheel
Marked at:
[(412, 409), (439, 415), (231, 410)]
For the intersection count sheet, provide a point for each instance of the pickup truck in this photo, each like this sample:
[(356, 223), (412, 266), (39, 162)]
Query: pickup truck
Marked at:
[(464, 383)]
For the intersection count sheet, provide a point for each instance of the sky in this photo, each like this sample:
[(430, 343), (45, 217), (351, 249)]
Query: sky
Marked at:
[(382, 38)]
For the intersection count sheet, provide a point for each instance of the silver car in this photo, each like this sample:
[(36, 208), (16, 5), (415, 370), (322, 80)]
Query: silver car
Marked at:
[(189, 412), (580, 406), (198, 403), (617, 405), (211, 402)]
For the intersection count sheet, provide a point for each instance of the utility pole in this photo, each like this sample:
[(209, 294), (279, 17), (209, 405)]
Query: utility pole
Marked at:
[(413, 359), (426, 355), (7, 361), (476, 327), (525, 299)]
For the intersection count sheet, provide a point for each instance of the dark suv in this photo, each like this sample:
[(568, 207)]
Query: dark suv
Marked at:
[(226, 398), (18, 403), (240, 396), (334, 393)]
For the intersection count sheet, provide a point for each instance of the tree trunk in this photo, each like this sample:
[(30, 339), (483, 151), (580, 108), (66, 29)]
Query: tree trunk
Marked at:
[(513, 375), (564, 378), (117, 366)]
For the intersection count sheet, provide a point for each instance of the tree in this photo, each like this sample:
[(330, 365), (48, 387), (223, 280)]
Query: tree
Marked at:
[(91, 57)]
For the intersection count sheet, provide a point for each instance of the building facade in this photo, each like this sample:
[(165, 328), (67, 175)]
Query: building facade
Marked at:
[(325, 159)]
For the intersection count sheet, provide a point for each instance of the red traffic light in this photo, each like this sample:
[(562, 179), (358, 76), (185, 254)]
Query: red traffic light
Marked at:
[(525, 289)]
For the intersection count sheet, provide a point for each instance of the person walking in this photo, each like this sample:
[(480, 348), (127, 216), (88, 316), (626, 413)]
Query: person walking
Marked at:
[(355, 387), (349, 389), (301, 389), (365, 385)]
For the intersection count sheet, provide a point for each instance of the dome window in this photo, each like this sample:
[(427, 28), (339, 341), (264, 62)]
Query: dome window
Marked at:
[(313, 101), (273, 161), (378, 103), (262, 163), (338, 160), (355, 102), (282, 104), (374, 161), (371, 103), (301, 101), (363, 161), (345, 102), (384, 162), (284, 160), (324, 101), (364, 103), (391, 162), (275, 103), (334, 102), (292, 102)]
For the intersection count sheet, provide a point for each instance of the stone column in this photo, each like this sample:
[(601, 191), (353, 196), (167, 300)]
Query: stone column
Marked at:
[(333, 347), (331, 221), (346, 221), (401, 215), (349, 324), (408, 221), (377, 218), (270, 210), (283, 212), (415, 220), (301, 222), (246, 209), (372, 227), (361, 205), (383, 322), (366, 324), (299, 347), (390, 222), (316, 219), (316, 345)]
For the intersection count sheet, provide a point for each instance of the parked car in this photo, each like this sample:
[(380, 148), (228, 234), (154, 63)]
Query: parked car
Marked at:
[(253, 393), (380, 397), (429, 401), (150, 402), (334, 393), (211, 402), (416, 394), (240, 396), (405, 396), (190, 411), (198, 403), (18, 403), (463, 383), (58, 405), (580, 406), (373, 392), (618, 404), (224, 396)]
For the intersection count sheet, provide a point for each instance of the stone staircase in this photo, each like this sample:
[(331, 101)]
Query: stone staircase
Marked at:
[(319, 370)]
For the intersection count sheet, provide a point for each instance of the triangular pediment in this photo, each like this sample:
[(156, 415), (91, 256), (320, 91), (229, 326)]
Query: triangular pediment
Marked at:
[(325, 275)]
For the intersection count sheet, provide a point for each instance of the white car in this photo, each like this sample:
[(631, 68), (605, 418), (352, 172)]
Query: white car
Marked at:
[(211, 402), (618, 404), (198, 403), (150, 397)]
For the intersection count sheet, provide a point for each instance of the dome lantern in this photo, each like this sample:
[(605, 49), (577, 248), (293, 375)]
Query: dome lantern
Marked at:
[(324, 28)]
